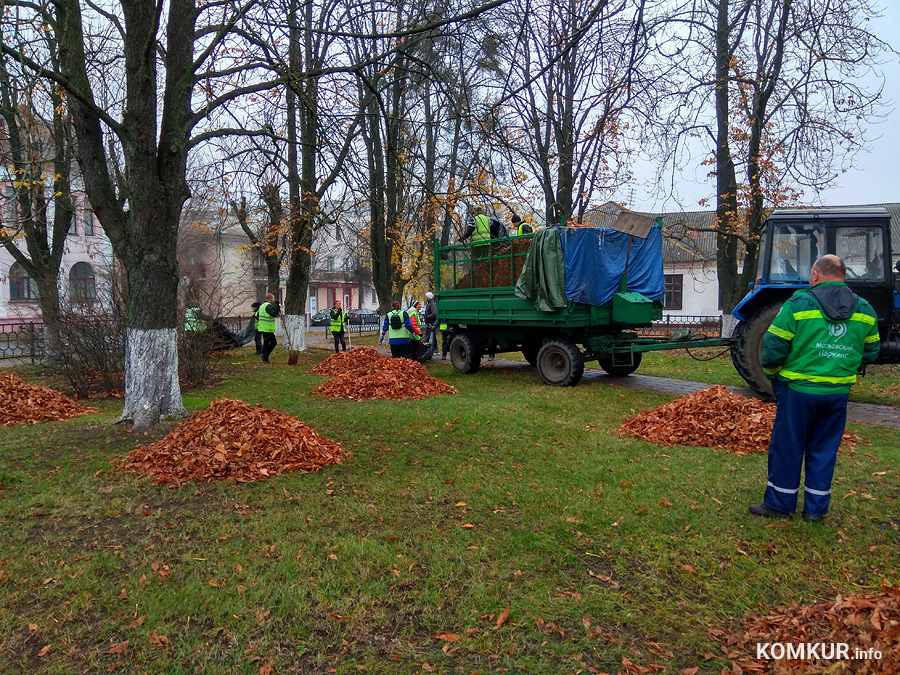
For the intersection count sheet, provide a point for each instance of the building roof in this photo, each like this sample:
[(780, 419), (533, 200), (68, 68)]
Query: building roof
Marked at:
[(689, 236)]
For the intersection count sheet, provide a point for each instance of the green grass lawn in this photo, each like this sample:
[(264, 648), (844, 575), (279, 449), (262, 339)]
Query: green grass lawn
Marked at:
[(452, 511)]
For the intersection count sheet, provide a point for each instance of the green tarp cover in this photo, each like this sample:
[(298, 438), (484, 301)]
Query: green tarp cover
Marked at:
[(542, 280)]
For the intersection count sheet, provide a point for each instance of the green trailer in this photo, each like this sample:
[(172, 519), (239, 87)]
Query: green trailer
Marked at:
[(478, 304)]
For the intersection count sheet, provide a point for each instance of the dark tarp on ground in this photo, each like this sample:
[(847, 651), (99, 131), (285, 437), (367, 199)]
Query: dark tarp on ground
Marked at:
[(542, 280), (595, 261)]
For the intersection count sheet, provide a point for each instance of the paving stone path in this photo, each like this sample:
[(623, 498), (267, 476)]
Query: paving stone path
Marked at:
[(864, 413)]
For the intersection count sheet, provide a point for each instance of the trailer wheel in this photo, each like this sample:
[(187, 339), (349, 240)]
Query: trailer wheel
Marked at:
[(560, 363), (617, 369), (464, 355), (530, 351), (747, 348)]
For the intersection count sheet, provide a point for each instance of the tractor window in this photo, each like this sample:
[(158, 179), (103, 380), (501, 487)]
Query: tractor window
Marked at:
[(794, 250), (862, 250)]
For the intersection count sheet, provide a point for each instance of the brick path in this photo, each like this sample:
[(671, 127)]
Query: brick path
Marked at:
[(864, 413)]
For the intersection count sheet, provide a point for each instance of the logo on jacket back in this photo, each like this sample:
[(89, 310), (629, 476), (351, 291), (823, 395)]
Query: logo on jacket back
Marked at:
[(837, 330)]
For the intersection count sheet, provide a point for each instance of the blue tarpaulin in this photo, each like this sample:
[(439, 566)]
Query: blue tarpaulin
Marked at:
[(594, 260)]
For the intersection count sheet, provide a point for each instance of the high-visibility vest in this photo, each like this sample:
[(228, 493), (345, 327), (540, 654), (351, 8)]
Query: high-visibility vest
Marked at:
[(192, 320), (521, 229), (394, 333), (265, 323), (482, 228), (419, 323), (338, 320)]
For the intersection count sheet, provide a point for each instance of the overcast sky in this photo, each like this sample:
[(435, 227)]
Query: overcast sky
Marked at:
[(876, 178)]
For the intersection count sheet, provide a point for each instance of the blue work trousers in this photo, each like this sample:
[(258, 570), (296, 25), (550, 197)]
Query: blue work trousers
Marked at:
[(807, 427)]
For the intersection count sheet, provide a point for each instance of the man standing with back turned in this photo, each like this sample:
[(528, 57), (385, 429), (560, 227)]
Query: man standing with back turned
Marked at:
[(812, 351)]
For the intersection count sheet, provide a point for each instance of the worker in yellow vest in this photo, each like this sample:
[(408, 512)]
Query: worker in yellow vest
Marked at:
[(267, 313), (338, 320), (520, 227)]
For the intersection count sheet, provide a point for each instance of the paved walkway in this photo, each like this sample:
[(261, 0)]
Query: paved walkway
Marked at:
[(864, 413)]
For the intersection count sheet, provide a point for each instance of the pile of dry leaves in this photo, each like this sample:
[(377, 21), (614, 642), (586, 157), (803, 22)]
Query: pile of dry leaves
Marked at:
[(863, 623), (360, 357), (232, 440), (23, 403), (712, 418), (364, 373)]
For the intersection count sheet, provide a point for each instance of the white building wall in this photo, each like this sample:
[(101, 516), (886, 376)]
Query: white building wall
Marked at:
[(93, 249), (700, 288)]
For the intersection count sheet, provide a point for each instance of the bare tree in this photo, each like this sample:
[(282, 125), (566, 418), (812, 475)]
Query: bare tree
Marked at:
[(781, 92), (37, 146)]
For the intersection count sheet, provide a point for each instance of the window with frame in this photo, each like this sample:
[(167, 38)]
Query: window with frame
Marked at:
[(329, 264), (82, 284), (21, 285), (674, 291), (88, 221)]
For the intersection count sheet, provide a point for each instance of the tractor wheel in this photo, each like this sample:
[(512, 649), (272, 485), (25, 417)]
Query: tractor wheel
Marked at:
[(530, 351), (747, 349), (560, 363), (464, 355), (616, 368)]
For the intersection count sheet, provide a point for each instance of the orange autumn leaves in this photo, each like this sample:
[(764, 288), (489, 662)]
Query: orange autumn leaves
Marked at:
[(712, 418), (364, 373), (234, 441), (23, 403)]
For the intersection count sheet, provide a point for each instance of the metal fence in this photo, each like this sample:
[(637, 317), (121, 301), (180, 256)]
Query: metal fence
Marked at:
[(358, 328), (22, 340), (700, 326)]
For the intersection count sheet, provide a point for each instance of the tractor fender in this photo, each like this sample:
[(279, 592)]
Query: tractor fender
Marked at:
[(762, 296)]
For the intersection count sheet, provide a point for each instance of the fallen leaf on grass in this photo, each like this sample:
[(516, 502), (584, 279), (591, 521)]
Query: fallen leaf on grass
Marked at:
[(158, 640), (502, 617), (118, 648), (44, 650), (427, 667), (446, 635)]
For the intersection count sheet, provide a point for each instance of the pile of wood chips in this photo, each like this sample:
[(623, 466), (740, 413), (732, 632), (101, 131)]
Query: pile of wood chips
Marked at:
[(868, 622), (712, 418), (234, 441), (385, 378), (23, 403), (341, 362)]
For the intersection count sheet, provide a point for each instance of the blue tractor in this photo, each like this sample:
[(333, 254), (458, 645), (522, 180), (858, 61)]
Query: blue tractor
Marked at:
[(791, 241)]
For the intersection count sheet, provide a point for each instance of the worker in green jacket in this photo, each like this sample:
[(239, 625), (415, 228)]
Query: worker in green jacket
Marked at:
[(812, 352)]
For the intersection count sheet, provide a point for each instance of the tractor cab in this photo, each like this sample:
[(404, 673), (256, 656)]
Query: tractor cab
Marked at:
[(791, 241)]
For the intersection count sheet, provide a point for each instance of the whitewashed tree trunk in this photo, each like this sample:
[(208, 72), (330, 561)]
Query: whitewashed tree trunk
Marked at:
[(729, 323), (295, 331), (152, 390)]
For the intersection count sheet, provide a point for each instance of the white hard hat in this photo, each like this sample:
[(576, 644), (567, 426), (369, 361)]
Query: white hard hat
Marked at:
[(429, 295)]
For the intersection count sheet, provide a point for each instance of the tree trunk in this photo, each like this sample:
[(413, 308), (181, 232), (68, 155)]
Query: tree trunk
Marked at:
[(726, 178), (152, 390)]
